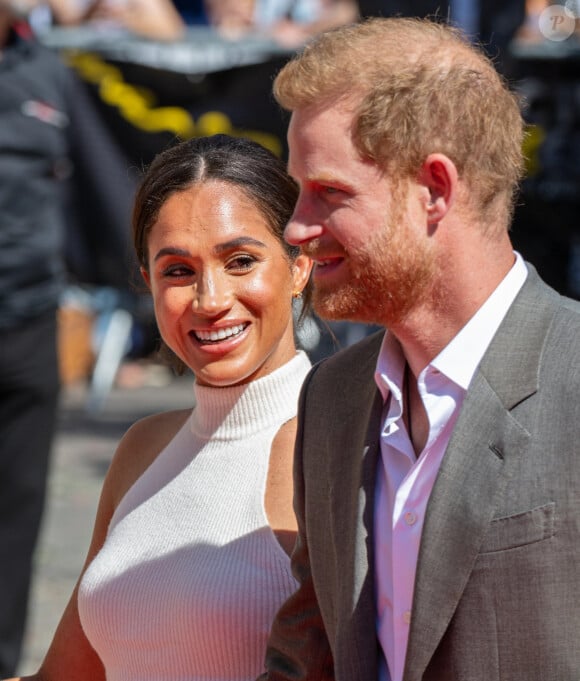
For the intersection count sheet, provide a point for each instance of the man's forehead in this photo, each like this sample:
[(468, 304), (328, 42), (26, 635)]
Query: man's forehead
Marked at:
[(338, 164), (320, 131), (314, 153), (342, 106)]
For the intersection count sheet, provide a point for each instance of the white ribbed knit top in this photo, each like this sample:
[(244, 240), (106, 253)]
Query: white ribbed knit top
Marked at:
[(191, 575)]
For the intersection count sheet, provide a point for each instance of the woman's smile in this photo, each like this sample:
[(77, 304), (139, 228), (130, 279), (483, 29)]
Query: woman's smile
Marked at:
[(218, 335)]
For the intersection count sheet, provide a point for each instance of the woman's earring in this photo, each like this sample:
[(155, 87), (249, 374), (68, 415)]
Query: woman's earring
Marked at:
[(296, 294)]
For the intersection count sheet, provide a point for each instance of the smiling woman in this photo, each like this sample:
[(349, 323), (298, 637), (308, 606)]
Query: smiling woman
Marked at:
[(189, 558), (222, 283)]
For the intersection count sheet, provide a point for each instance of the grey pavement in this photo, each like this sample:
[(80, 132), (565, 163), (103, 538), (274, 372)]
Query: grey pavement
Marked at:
[(83, 449)]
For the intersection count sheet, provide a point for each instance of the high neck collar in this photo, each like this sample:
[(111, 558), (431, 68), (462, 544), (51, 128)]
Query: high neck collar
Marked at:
[(240, 411)]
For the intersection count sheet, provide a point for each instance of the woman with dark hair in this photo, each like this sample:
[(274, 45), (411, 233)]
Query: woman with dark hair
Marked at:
[(189, 559)]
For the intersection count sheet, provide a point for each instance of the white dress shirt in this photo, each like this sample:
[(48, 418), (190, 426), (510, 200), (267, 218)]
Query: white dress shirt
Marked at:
[(404, 482)]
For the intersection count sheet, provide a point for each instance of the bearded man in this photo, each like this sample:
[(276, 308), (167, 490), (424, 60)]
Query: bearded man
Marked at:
[(437, 468)]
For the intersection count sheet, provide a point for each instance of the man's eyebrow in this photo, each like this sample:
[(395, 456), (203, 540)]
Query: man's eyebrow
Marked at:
[(326, 179), (237, 243), (331, 178)]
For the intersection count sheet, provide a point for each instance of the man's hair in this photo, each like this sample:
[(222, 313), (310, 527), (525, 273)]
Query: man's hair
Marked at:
[(418, 87)]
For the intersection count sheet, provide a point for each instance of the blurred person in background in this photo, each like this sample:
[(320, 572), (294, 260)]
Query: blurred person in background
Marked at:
[(289, 22), (154, 19), (53, 149), (35, 104), (293, 23)]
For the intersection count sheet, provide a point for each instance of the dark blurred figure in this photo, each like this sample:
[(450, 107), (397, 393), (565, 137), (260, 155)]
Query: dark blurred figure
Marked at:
[(40, 102), (491, 22)]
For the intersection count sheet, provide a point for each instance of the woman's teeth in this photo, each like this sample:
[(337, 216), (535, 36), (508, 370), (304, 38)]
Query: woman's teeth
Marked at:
[(219, 334)]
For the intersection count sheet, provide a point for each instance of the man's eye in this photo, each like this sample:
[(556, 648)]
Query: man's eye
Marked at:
[(328, 190)]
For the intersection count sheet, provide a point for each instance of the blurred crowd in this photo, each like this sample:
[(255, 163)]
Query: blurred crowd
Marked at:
[(289, 22)]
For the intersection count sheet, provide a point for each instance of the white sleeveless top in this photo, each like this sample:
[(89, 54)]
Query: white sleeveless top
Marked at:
[(191, 575)]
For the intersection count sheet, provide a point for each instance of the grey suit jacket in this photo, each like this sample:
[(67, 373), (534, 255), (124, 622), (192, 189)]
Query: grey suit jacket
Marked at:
[(497, 591)]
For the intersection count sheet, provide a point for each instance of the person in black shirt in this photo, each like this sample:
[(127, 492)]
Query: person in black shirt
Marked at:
[(49, 136)]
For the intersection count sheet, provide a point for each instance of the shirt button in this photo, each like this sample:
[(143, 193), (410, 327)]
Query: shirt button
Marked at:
[(410, 518), (407, 617)]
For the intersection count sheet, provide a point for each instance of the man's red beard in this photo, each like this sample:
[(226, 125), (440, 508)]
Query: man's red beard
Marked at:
[(387, 279)]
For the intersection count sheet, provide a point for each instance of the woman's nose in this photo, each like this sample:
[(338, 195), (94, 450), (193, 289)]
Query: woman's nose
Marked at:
[(211, 295)]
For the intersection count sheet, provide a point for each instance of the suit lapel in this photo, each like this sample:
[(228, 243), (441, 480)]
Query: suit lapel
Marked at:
[(472, 477), (479, 460), (363, 580)]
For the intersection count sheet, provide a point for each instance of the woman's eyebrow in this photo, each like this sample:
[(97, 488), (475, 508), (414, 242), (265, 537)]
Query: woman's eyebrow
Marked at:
[(237, 242), (170, 250), (230, 245)]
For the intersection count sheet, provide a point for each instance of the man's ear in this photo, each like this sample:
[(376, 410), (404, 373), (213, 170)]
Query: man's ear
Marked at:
[(146, 277), (440, 177)]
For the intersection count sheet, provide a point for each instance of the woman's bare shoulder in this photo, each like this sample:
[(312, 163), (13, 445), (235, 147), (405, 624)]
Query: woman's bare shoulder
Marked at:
[(156, 430), (140, 446)]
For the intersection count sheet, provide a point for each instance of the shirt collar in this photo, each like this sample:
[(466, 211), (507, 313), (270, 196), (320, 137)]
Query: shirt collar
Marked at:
[(390, 368), (461, 357)]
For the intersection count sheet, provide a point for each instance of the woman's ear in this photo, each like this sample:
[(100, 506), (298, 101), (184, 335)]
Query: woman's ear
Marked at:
[(146, 277), (301, 268)]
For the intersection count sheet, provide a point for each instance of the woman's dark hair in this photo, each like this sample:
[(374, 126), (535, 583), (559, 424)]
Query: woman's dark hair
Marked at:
[(239, 161), (236, 160)]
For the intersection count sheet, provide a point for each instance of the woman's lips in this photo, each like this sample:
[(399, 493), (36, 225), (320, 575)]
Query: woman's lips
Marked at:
[(217, 335), (220, 341)]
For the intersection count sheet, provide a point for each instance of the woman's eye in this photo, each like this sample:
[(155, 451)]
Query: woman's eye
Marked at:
[(177, 271), (242, 262)]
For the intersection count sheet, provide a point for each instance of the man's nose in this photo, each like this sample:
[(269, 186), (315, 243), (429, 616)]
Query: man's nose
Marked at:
[(303, 226), (212, 295)]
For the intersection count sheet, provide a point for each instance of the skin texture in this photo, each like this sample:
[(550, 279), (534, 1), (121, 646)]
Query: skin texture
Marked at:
[(214, 261)]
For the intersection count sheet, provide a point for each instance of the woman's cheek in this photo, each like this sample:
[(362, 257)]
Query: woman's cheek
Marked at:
[(269, 285)]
